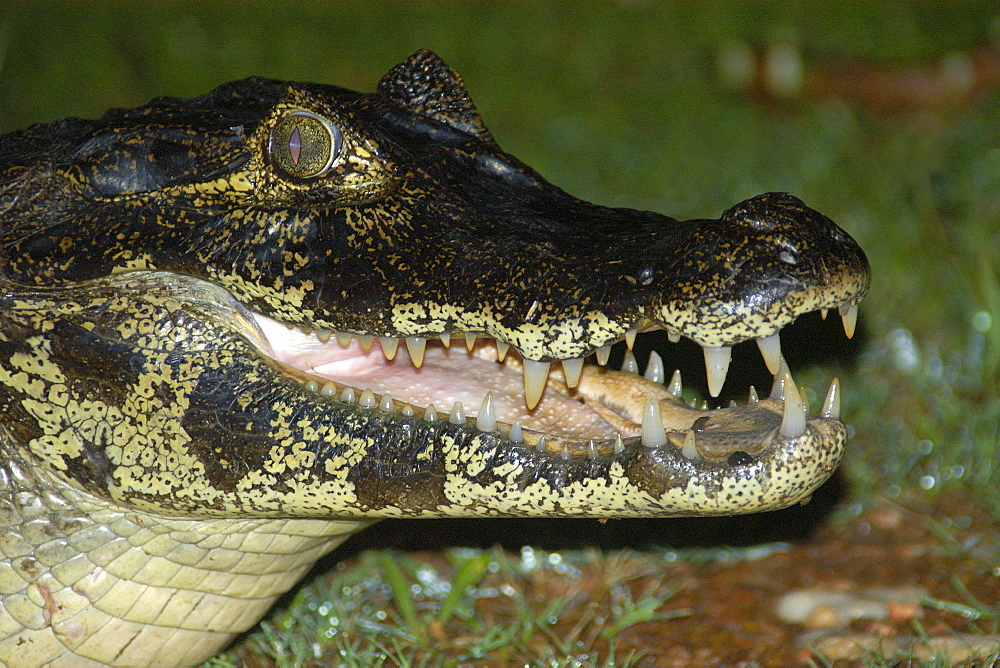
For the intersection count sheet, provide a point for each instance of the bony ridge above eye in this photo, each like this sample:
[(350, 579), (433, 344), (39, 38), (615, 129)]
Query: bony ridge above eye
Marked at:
[(304, 145)]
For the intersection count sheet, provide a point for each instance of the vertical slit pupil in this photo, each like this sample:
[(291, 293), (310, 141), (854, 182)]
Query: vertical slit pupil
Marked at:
[(295, 146)]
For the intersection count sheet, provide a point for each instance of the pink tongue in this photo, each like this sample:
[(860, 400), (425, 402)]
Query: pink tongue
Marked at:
[(446, 376)]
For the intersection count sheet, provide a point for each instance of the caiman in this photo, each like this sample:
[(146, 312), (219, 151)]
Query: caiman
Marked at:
[(237, 328)]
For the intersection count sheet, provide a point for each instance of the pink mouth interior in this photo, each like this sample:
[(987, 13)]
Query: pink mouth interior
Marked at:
[(447, 376)]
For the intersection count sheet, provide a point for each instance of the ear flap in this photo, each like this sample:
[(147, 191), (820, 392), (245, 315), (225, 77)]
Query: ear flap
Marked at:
[(426, 86)]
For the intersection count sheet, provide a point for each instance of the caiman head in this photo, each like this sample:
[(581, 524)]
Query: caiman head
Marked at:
[(204, 301)]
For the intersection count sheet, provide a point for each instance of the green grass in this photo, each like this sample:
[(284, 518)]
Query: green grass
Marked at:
[(619, 104)]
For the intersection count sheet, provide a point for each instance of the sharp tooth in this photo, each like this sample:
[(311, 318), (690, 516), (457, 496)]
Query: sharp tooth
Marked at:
[(831, 406), (389, 346), (629, 364), (653, 435), (733, 404), (457, 414), (770, 348), (407, 411), (673, 336), (535, 375), (323, 335), (654, 370), (502, 349), (486, 420), (386, 405), (344, 339), (602, 354), (619, 445), (415, 345), (753, 398), (347, 396), (778, 389), (717, 366), (329, 389), (565, 452), (516, 435), (675, 388), (690, 450), (446, 340), (572, 370), (367, 399), (470, 340), (312, 385), (366, 341), (793, 422), (849, 313), (430, 414), (630, 338), (823, 312), (540, 446), (591, 450)]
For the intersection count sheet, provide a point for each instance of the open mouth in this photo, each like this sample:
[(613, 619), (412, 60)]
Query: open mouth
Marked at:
[(568, 408)]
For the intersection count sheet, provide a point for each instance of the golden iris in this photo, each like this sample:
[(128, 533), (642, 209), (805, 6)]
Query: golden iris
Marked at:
[(303, 145)]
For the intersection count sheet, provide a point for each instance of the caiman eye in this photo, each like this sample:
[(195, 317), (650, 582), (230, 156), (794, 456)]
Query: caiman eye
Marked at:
[(304, 145)]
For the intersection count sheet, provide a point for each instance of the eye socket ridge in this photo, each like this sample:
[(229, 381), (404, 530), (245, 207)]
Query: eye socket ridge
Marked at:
[(304, 145)]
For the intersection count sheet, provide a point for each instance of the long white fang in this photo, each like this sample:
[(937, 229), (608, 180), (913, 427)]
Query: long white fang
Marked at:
[(778, 389), (849, 313), (386, 405), (602, 354), (770, 349), (572, 369), (457, 414), (630, 338), (619, 444), (516, 435), (653, 434), (366, 341), (629, 364), (446, 339), (676, 387), (690, 450), (470, 340), (831, 405), (535, 375), (430, 414), (486, 420), (367, 399), (717, 367), (502, 349), (415, 345), (344, 339), (654, 370), (389, 345), (793, 422)]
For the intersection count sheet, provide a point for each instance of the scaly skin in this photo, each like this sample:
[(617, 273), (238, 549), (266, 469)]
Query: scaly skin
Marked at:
[(182, 435)]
